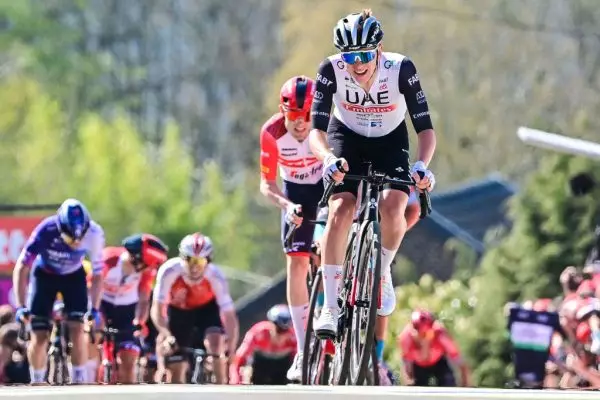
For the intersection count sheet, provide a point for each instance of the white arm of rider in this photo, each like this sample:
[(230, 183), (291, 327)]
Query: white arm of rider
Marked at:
[(220, 287), (96, 248), (165, 278)]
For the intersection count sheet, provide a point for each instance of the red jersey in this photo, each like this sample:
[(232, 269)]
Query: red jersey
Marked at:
[(427, 352), (262, 339), (278, 148), (119, 289)]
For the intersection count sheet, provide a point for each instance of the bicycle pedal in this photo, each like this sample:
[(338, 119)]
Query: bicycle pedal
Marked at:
[(324, 335)]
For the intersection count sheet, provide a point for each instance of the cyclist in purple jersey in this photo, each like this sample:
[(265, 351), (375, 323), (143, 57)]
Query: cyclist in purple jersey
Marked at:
[(51, 262)]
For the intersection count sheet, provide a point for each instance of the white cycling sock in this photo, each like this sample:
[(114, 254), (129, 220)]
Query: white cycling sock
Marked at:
[(79, 374), (92, 370), (299, 317), (332, 274), (37, 375), (387, 257)]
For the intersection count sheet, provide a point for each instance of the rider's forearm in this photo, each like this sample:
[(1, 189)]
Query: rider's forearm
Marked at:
[(271, 191), (232, 329), (159, 318), (317, 140), (426, 146), (142, 309), (96, 291), (20, 274)]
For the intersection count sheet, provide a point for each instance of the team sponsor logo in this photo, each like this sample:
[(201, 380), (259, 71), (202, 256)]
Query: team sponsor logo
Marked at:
[(340, 64), (303, 174), (391, 64), (413, 79), (324, 80), (318, 95), (421, 115), (421, 97), (369, 109), (362, 98)]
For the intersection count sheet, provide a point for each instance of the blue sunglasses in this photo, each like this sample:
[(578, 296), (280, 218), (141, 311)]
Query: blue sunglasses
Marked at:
[(356, 56)]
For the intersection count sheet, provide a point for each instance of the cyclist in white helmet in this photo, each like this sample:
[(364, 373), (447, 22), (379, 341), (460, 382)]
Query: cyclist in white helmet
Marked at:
[(372, 91), (192, 307)]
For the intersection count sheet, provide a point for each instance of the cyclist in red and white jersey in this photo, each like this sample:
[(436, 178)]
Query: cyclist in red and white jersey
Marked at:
[(372, 91), (128, 275), (284, 147), (192, 307), (427, 348), (271, 345)]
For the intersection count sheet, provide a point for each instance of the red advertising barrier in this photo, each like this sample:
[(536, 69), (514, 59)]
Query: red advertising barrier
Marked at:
[(14, 232)]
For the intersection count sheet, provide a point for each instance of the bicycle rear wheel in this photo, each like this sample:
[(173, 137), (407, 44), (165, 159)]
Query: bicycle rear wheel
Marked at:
[(312, 344), (367, 278)]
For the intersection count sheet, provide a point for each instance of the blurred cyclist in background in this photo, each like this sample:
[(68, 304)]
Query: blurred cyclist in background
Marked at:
[(269, 346), (427, 350), (191, 301), (52, 257), (284, 147), (129, 273)]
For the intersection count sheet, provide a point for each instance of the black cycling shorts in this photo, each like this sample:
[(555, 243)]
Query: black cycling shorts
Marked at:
[(387, 154), (441, 372), (308, 196), (189, 326), (121, 318), (270, 371), (43, 288)]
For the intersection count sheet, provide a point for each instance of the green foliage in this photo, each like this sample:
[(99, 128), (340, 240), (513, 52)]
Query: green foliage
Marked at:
[(127, 184)]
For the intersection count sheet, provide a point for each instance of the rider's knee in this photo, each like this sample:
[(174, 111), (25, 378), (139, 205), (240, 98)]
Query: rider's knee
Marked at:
[(75, 330), (341, 208), (393, 206), (297, 262), (40, 337)]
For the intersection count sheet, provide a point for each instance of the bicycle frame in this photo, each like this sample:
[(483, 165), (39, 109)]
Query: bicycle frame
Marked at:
[(372, 183), (109, 356), (58, 351), (110, 351)]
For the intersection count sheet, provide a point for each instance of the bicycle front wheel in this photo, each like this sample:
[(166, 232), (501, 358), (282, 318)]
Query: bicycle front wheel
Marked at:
[(367, 278), (312, 344)]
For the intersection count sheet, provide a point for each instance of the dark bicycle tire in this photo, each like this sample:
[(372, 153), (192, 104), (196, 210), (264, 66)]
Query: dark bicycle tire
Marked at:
[(369, 243), (326, 371), (311, 342), (343, 347), (373, 373), (59, 374)]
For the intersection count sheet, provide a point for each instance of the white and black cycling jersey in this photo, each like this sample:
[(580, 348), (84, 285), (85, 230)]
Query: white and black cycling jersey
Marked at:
[(395, 90)]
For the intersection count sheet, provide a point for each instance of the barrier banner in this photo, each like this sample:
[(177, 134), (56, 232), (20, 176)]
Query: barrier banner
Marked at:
[(6, 295), (14, 232)]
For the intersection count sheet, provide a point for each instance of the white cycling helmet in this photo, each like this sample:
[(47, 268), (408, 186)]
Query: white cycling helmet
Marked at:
[(196, 245)]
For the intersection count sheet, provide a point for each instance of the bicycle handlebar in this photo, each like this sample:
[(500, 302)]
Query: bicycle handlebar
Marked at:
[(380, 179)]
